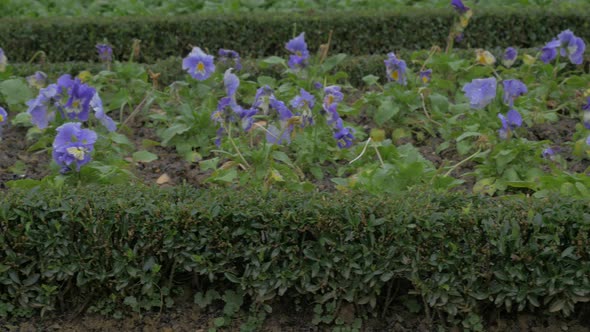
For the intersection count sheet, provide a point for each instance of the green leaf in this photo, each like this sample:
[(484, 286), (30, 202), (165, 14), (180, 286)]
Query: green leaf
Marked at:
[(386, 111), (275, 60), (332, 62), (15, 91), (31, 280), (267, 80), (144, 156), (175, 129), (371, 80), (209, 164), (120, 138), (557, 305)]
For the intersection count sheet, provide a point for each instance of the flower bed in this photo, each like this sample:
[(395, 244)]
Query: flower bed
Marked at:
[(338, 170)]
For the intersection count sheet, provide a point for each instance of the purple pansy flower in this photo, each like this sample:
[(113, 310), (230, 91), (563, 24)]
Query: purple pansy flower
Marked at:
[(588, 140), (572, 46), (512, 90), (99, 113), (222, 114), (3, 119), (343, 135), (298, 47), (549, 51), (247, 117), (276, 135), (396, 69), (332, 94), (509, 122), (77, 106), (459, 6), (548, 153), (332, 97), (37, 80), (586, 109), (224, 55), (509, 56), (480, 92), (426, 76), (272, 136), (3, 116), (72, 146), (198, 64), (282, 109), (459, 37), (304, 102), (105, 52), (231, 83), (262, 98), (3, 60), (38, 107), (567, 44)]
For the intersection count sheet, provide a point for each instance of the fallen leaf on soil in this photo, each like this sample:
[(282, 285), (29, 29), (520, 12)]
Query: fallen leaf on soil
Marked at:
[(164, 178)]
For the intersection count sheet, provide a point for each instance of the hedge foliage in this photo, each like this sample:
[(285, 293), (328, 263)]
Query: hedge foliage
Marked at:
[(106, 247), (361, 33), (170, 69)]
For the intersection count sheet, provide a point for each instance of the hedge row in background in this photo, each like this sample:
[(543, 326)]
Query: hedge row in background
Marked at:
[(110, 8), (73, 39), (78, 248), (170, 70)]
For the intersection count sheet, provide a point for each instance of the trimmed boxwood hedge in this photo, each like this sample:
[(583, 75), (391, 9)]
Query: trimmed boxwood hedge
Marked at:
[(262, 34), (170, 69), (131, 246)]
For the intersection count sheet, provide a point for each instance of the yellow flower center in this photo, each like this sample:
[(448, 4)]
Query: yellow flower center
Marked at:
[(77, 152), (200, 67), (425, 79), (330, 100), (1, 118), (395, 75)]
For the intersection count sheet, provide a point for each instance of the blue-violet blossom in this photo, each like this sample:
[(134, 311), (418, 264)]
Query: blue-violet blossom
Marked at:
[(198, 64), (586, 109), (37, 80), (298, 47), (304, 102), (225, 54), (3, 61), (3, 116), (72, 146), (459, 6), (396, 69), (509, 57), (78, 94), (274, 134), (426, 76), (512, 90), (509, 123), (105, 52), (480, 92), (343, 135)]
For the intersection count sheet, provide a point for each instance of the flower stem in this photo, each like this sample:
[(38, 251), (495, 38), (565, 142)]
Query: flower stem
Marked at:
[(41, 53), (231, 140), (462, 162)]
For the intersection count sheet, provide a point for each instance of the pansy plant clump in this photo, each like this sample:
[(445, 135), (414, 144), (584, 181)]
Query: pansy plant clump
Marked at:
[(72, 146), (72, 100)]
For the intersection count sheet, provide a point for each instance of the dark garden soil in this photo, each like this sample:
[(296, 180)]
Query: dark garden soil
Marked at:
[(194, 319), (171, 169)]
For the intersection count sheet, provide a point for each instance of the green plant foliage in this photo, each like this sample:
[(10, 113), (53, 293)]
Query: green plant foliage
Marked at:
[(361, 32), (246, 248)]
